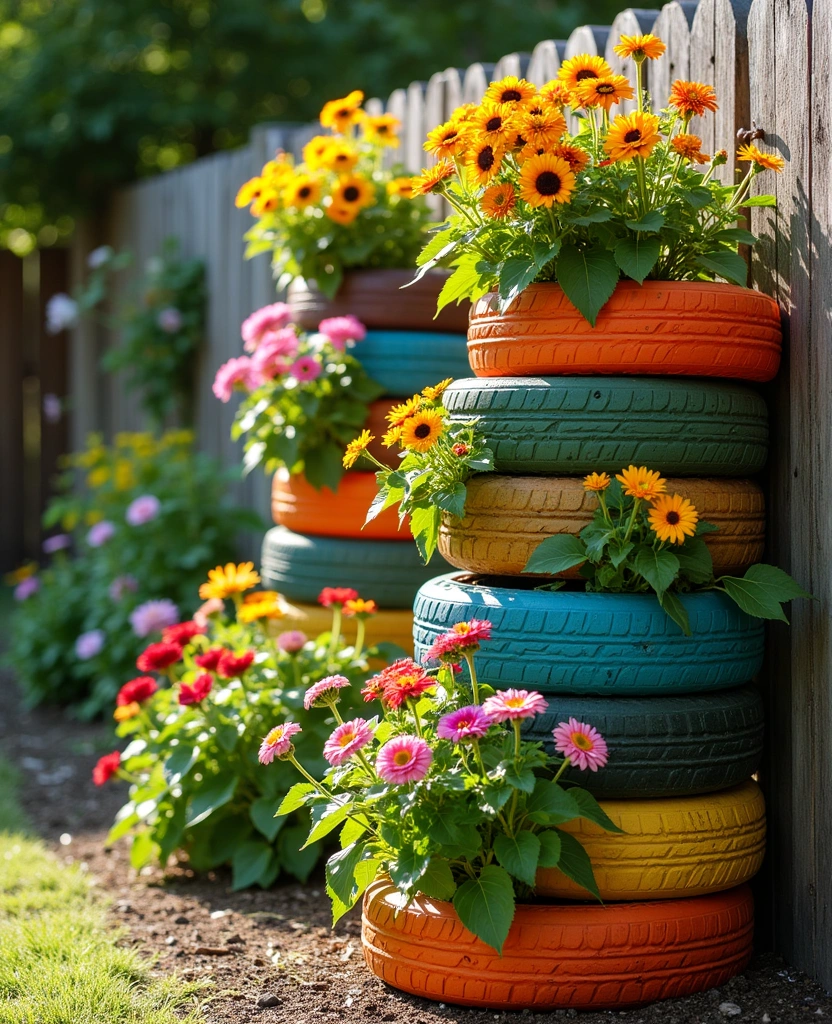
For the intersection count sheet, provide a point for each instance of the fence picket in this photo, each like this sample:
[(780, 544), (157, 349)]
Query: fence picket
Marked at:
[(673, 25), (632, 22), (547, 57)]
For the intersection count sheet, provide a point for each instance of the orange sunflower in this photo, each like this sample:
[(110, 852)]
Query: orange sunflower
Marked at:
[(354, 190), (356, 447), (541, 131), (432, 177), (421, 432), (313, 151), (576, 157), (556, 93), (767, 161), (483, 161), (382, 129), (603, 92), (640, 47), (497, 125), (303, 191), (446, 140), (342, 214), (248, 192), (401, 187), (498, 201), (399, 413), (344, 113), (515, 91), (673, 518), (692, 98), (545, 180), (597, 482), (641, 482), (632, 135), (579, 69), (338, 157), (268, 202)]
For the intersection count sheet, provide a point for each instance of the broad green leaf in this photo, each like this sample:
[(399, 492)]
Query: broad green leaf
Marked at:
[(551, 804), (227, 835), (297, 861), (123, 824), (462, 283), (592, 810), (555, 554), (619, 551), (598, 216), (493, 798), (695, 561), (353, 829), (437, 246), (340, 871), (227, 737), (248, 863), (326, 817), (760, 201), (545, 252), (409, 867), (516, 274), (660, 568), (781, 586), (549, 849), (702, 527), (729, 265), (485, 905), (575, 863), (270, 872), (737, 235), (698, 197), (323, 466), (437, 881), (216, 794), (457, 840), (452, 499), (523, 780), (264, 818), (180, 763), (518, 854), (762, 591), (673, 607), (296, 797), (637, 256), (588, 277), (651, 221), (424, 525), (143, 849)]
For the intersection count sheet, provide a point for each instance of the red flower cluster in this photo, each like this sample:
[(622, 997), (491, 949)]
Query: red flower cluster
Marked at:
[(193, 693), (231, 666), (158, 657), (136, 690), (396, 683), (210, 659), (106, 767), (182, 633), (337, 595), (464, 638)]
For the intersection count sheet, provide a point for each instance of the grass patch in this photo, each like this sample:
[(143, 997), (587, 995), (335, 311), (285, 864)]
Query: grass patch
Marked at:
[(59, 961)]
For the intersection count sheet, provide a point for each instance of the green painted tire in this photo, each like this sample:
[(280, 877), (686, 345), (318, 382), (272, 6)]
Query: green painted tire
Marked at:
[(577, 425)]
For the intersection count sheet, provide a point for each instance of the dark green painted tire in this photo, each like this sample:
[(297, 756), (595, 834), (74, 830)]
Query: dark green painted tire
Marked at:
[(664, 746), (404, 362), (388, 571), (572, 425), (571, 642)]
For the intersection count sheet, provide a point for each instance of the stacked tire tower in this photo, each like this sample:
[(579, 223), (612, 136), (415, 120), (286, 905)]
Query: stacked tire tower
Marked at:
[(318, 540), (662, 381)]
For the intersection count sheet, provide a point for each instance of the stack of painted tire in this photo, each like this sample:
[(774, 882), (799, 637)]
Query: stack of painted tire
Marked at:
[(653, 384), (318, 540)]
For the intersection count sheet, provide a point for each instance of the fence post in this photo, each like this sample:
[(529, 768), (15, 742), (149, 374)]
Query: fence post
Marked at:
[(673, 26)]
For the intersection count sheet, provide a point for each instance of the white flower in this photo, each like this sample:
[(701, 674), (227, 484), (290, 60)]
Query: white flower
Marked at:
[(98, 257), (61, 313)]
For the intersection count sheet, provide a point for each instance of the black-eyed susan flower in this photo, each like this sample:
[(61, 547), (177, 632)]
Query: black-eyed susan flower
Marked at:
[(511, 90), (447, 140), (632, 135), (339, 157), (673, 518), (303, 190), (641, 482), (576, 157), (689, 147), (403, 411), (267, 202), (401, 187), (248, 192), (498, 200), (422, 430), (434, 391), (354, 190), (276, 171), (344, 113), (356, 447), (541, 131), (597, 482), (643, 47), (314, 150), (342, 214), (497, 125), (692, 98), (431, 178), (545, 180), (603, 92), (483, 161), (761, 160), (578, 69), (381, 129)]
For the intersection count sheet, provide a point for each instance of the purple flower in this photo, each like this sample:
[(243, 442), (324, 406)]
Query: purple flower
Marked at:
[(61, 313), (465, 724), (122, 585), (89, 644), (153, 617), (292, 641), (98, 257), (169, 320), (57, 543), (100, 533), (52, 408), (24, 590), (142, 510)]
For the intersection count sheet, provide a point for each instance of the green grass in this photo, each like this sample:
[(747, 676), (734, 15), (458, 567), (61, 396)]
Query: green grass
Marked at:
[(59, 961)]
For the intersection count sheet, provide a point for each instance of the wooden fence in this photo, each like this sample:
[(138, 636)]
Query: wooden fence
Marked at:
[(769, 61)]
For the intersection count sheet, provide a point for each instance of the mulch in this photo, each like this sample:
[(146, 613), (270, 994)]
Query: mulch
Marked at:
[(272, 956)]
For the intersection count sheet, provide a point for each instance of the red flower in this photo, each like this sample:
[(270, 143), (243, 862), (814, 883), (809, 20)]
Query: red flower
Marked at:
[(136, 690), (464, 638), (157, 657), (210, 659), (373, 690), (402, 679), (232, 665), (460, 449), (196, 691), (106, 767), (182, 633), (337, 595)]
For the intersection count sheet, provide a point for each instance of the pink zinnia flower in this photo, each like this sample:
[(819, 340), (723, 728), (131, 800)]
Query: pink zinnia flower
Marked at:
[(235, 372), (466, 724), (582, 744), (278, 743), (306, 368), (336, 595), (401, 680), (346, 740), (292, 641), (100, 533), (274, 353), (143, 510), (24, 590), (106, 767), (510, 704), (193, 693), (324, 692), (269, 318), (56, 543), (464, 638), (341, 329), (404, 759), (153, 617)]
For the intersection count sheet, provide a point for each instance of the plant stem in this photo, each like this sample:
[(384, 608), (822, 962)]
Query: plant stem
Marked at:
[(562, 769), (632, 522), (308, 777), (335, 634), (359, 638), (639, 90), (474, 684), (515, 722)]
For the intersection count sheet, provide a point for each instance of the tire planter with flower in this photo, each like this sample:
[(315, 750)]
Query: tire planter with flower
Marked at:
[(404, 362), (671, 847), (299, 567), (664, 746), (574, 956), (298, 506), (589, 643), (573, 426), (506, 517), (388, 625), (691, 328)]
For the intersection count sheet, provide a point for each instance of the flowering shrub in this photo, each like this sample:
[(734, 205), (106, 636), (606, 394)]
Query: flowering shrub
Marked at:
[(438, 457), (340, 207), (627, 195), (643, 539), (441, 791), (134, 542), (193, 720), (306, 395)]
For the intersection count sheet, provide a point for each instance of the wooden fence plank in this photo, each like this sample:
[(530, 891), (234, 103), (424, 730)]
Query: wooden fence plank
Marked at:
[(11, 412), (673, 25), (515, 64), (476, 80), (547, 57)]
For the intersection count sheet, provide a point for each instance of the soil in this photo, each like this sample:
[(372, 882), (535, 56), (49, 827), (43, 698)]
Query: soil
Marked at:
[(271, 957)]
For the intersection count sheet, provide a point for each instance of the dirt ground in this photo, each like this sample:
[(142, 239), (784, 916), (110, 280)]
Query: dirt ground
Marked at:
[(271, 956)]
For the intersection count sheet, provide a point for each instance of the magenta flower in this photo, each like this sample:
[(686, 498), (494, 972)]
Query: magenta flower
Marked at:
[(274, 353), (269, 318), (169, 320), (324, 692), (89, 644), (278, 743), (100, 533), (153, 617), (346, 740), (292, 641), (582, 744), (24, 590), (306, 368), (466, 724), (404, 759), (143, 510), (464, 638), (341, 329), (235, 375), (122, 585), (510, 704), (59, 542)]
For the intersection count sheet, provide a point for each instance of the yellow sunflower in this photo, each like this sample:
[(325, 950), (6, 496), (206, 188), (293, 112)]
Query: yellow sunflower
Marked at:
[(673, 518), (314, 150), (632, 135), (498, 200), (447, 140), (266, 608), (597, 482), (542, 131), (354, 191), (399, 413), (767, 161), (640, 47), (229, 579), (692, 98), (344, 113), (578, 69), (381, 129), (576, 157), (431, 178), (510, 90), (434, 391), (421, 432), (356, 447), (268, 202), (248, 192), (339, 157), (545, 180), (483, 161), (641, 482), (278, 170), (303, 191), (603, 92), (391, 437), (401, 187), (497, 125), (342, 214)]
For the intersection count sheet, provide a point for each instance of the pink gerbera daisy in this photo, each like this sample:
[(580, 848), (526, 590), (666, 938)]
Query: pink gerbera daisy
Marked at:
[(346, 740), (464, 638), (235, 374), (582, 744), (404, 759), (510, 704), (324, 692), (274, 353), (278, 743), (263, 321), (306, 368), (465, 724)]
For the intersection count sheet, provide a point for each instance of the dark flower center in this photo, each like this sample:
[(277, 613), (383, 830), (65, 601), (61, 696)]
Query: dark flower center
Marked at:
[(450, 136), (510, 96), (633, 135), (485, 158), (537, 111), (344, 112), (381, 129), (605, 89), (304, 192), (351, 193), (493, 124), (548, 183), (584, 74), (672, 518), (422, 431), (519, 141)]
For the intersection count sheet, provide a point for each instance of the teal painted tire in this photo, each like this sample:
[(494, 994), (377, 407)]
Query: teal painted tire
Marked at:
[(577, 425), (578, 643), (664, 746), (300, 566), (404, 362)]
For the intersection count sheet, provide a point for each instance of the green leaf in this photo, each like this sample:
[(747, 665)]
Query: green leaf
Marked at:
[(729, 265), (457, 840), (437, 881), (588, 278), (216, 794), (760, 201), (555, 554), (695, 562), (248, 863), (660, 568), (424, 525), (264, 818), (523, 780), (551, 804), (698, 197), (545, 252), (592, 810), (452, 499), (296, 860), (619, 551), (598, 216), (462, 284), (637, 256), (651, 221), (353, 829), (326, 817), (485, 905), (549, 849), (296, 797), (323, 465), (180, 763), (142, 850), (575, 863), (762, 591), (340, 872), (409, 867), (673, 607), (436, 247), (518, 854), (516, 274), (736, 235)]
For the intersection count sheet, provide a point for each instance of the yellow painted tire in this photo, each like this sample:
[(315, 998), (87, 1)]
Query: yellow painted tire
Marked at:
[(685, 846), (393, 626)]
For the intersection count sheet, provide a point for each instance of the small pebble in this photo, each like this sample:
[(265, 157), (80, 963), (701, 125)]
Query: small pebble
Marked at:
[(170, 940), (267, 999), (729, 1010), (181, 919), (766, 1019)]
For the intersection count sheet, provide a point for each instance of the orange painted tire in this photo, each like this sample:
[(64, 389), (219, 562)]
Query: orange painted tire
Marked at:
[(692, 328), (506, 517), (583, 957), (672, 847), (298, 506), (392, 626)]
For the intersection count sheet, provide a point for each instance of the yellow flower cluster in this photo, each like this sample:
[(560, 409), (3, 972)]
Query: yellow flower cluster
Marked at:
[(118, 463), (672, 518)]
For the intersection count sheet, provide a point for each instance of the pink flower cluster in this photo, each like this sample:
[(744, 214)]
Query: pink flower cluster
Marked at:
[(263, 322), (463, 639), (342, 329)]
